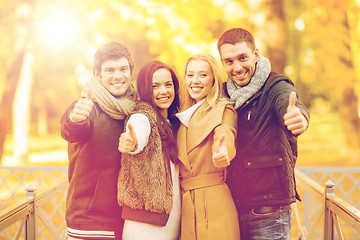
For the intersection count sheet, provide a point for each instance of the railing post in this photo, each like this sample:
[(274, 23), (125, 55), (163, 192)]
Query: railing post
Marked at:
[(31, 221), (329, 223)]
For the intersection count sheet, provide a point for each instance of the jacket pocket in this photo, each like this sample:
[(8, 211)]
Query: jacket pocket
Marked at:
[(264, 162), (95, 195), (265, 177)]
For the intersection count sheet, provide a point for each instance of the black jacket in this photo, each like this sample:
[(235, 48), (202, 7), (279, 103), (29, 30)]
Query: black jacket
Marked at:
[(94, 163), (262, 173)]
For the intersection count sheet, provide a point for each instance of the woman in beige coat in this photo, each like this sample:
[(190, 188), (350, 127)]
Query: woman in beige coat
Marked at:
[(206, 146)]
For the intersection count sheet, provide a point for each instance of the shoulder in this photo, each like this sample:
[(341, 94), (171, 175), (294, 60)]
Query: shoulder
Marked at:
[(275, 78), (145, 108)]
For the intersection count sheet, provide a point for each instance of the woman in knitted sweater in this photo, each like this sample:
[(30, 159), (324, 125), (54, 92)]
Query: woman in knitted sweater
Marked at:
[(148, 185), (206, 146)]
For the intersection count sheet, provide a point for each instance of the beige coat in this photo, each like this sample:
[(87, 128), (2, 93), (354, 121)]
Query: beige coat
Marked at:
[(208, 210)]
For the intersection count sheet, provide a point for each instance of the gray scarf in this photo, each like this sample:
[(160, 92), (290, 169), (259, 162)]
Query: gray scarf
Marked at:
[(238, 94)]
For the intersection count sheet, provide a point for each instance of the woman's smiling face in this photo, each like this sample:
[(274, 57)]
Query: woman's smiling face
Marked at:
[(199, 79), (163, 89)]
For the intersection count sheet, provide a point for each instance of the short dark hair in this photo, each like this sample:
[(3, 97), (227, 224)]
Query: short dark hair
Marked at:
[(145, 88), (112, 50), (236, 35)]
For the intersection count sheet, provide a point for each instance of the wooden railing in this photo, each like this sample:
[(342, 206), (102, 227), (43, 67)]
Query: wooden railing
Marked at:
[(29, 210), (324, 219), (334, 210)]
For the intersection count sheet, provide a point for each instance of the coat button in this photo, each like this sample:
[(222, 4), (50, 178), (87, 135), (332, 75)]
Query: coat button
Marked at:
[(249, 163), (280, 159)]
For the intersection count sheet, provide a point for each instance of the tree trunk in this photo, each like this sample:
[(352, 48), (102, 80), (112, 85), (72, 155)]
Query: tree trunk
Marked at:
[(349, 118), (7, 100), (348, 100), (21, 111), (273, 33)]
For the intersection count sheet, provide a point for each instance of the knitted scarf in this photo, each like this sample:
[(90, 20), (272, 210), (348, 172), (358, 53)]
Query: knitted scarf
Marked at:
[(116, 107), (238, 94)]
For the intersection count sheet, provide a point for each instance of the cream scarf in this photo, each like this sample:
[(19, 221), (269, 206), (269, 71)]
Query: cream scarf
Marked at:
[(238, 94), (116, 107)]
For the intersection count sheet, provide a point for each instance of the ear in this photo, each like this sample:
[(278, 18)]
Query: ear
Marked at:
[(97, 74), (256, 54)]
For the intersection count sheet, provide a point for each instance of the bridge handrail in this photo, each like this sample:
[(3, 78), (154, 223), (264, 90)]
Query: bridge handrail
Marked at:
[(29, 210), (333, 206)]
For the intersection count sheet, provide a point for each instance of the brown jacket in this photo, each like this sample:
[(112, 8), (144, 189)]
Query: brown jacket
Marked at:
[(208, 210)]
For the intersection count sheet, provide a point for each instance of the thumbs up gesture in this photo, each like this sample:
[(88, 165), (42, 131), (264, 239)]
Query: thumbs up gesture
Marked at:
[(127, 140), (293, 119), (82, 108), (220, 155)]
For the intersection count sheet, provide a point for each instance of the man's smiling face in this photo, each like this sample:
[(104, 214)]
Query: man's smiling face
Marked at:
[(239, 62)]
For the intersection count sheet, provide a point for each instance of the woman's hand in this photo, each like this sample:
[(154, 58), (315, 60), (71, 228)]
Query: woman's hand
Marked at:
[(220, 155)]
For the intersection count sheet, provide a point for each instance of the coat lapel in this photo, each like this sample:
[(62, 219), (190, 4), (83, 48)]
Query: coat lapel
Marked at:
[(202, 124), (181, 142)]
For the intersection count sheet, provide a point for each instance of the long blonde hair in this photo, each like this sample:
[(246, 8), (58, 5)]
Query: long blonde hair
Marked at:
[(216, 93)]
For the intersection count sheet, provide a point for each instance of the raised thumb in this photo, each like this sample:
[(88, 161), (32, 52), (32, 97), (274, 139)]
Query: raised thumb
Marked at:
[(292, 100), (131, 131), (220, 143)]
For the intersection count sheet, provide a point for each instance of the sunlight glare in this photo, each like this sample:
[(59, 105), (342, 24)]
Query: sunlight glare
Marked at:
[(96, 15), (59, 29), (299, 24), (100, 38)]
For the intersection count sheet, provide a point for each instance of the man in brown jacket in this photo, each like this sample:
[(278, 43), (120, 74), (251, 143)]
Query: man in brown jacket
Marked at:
[(92, 126)]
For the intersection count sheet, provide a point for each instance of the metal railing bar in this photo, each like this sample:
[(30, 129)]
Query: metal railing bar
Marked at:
[(315, 187), (47, 195), (20, 229), (337, 225), (312, 229), (348, 213), (14, 213), (48, 224), (301, 228)]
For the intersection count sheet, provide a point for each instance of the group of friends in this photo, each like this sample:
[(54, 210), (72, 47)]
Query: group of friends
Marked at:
[(215, 161)]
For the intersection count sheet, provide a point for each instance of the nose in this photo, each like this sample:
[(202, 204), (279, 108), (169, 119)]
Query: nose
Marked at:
[(196, 79), (237, 66), (162, 89), (117, 74)]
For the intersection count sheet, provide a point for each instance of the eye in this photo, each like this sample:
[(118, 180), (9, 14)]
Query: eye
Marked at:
[(203, 75), (123, 69), (109, 70), (169, 84), (189, 75), (243, 58), (228, 62)]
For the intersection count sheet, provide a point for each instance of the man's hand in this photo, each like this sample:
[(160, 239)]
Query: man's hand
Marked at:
[(220, 155), (127, 140), (82, 108), (293, 119)]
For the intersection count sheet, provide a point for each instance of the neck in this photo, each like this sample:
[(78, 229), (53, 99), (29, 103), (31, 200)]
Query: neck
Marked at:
[(163, 113)]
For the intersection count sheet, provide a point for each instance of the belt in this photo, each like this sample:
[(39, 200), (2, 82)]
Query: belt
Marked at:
[(206, 180), (265, 210)]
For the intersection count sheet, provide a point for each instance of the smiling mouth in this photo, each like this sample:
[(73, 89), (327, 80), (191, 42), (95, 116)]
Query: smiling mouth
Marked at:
[(117, 84), (163, 99), (240, 75), (196, 89)]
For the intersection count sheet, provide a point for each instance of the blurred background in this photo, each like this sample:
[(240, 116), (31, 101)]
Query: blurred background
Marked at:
[(47, 48)]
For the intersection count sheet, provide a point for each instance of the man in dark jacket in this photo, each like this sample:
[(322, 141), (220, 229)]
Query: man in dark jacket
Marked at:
[(270, 117), (92, 126)]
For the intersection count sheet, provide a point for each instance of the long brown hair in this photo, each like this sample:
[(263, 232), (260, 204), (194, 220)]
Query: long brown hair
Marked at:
[(167, 131)]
